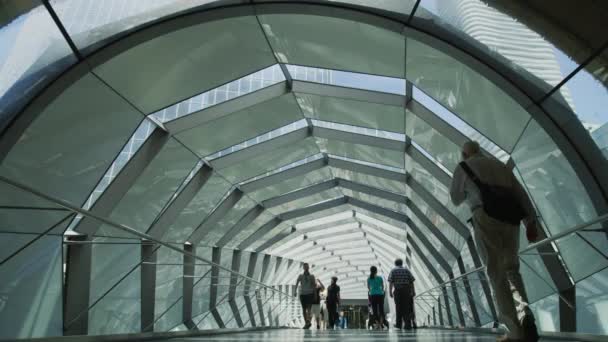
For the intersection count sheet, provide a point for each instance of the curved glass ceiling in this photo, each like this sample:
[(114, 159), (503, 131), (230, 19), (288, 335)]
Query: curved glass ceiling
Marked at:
[(257, 136)]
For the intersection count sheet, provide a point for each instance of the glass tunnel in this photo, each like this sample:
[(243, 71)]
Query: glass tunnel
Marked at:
[(167, 166)]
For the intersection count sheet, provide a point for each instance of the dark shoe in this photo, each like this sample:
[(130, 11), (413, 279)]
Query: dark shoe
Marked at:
[(530, 329), (504, 338), (397, 327)]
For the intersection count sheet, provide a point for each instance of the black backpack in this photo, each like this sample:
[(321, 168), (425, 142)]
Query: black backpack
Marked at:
[(499, 202)]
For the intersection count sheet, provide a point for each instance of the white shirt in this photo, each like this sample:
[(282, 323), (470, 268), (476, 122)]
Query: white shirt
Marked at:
[(491, 172)]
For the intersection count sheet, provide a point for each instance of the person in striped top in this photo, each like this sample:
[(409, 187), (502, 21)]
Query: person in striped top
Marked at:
[(401, 288)]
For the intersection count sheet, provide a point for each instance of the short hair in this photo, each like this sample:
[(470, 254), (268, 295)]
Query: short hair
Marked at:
[(305, 264), (398, 262), (334, 278), (471, 146)]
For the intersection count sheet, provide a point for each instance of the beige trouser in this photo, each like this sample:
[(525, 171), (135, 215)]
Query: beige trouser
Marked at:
[(498, 244)]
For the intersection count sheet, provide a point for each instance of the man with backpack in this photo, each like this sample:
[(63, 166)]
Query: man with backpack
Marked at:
[(498, 203)]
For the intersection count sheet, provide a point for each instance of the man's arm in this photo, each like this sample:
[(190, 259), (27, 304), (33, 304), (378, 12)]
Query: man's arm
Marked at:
[(320, 283), (298, 280), (457, 193), (390, 289), (338, 296), (524, 200)]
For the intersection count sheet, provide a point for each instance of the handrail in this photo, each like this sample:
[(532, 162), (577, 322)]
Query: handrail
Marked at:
[(129, 230), (481, 268), (564, 233), (530, 247)]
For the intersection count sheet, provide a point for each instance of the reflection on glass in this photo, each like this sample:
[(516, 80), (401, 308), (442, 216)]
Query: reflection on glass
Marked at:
[(33, 53), (588, 101), (91, 22), (502, 36)]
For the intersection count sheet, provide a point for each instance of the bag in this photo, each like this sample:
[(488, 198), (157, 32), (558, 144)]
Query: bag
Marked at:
[(498, 202)]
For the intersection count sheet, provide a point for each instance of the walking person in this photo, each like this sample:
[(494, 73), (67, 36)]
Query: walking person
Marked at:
[(331, 302), (401, 285), (375, 286), (498, 203), (307, 289), (316, 303)]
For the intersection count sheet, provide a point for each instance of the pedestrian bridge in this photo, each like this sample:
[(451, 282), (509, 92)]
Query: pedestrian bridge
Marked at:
[(167, 166)]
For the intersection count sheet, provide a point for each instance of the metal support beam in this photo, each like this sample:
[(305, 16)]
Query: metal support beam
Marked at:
[(360, 139), (328, 90), (435, 121), (387, 195), (253, 260), (429, 165), (77, 287), (216, 256), (188, 286), (123, 182), (443, 263), (216, 215), (290, 215), (378, 210), (366, 169), (245, 221), (236, 267), (269, 243), (301, 193), (170, 214), (226, 108), (148, 285), (263, 230), (261, 148), (279, 177), (567, 310), (431, 269), (438, 207)]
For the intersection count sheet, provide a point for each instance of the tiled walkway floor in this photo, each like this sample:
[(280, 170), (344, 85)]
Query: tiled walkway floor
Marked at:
[(296, 335)]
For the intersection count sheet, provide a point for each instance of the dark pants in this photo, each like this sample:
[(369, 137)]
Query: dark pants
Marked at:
[(306, 301), (404, 303), (332, 315), (377, 308)]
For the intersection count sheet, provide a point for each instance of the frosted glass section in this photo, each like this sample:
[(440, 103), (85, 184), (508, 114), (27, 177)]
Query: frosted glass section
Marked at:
[(355, 113), (308, 200), (33, 53), (292, 184), (239, 87), (111, 260), (242, 125), (592, 304), (89, 30), (200, 293), (546, 312), (169, 286), (23, 212), (250, 229), (548, 176), (481, 103), (441, 148), (328, 42), (270, 161), (208, 197), (31, 286), (362, 152), (234, 47), (230, 219), (120, 310), (153, 188), (68, 166)]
